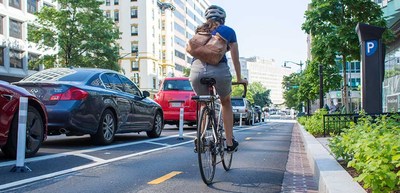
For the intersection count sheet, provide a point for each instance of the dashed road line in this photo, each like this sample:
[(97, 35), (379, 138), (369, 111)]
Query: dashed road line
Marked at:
[(164, 178)]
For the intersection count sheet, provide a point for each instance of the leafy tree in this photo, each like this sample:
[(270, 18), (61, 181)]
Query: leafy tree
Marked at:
[(291, 93), (331, 23), (256, 93), (79, 32), (186, 72)]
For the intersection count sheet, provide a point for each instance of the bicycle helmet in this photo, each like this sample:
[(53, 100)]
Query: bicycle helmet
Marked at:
[(216, 13)]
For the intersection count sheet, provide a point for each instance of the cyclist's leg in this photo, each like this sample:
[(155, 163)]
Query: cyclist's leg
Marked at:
[(227, 116)]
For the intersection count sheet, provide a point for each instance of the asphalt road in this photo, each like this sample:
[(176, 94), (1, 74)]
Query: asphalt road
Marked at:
[(134, 161)]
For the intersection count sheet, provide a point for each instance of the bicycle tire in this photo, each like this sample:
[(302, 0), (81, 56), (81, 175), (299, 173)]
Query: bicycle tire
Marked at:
[(226, 159), (205, 146)]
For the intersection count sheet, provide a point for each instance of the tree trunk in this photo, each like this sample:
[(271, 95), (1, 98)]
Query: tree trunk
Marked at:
[(344, 90)]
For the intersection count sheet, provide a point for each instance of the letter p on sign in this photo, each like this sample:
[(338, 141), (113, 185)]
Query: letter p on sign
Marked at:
[(371, 47)]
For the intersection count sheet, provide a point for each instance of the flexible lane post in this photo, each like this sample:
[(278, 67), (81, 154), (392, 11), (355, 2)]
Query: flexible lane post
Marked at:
[(21, 140), (240, 120), (181, 123)]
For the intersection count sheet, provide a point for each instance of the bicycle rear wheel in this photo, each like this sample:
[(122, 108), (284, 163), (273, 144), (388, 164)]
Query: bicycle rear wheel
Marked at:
[(206, 146)]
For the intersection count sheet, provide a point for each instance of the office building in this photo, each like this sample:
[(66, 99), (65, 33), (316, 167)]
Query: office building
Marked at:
[(154, 36), (267, 72)]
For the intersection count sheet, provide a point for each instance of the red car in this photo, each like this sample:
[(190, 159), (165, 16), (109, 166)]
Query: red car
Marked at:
[(176, 93), (36, 126)]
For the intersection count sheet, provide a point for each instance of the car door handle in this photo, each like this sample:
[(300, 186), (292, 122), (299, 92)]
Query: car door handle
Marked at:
[(7, 96)]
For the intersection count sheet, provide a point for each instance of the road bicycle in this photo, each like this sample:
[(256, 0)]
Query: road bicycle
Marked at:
[(210, 141)]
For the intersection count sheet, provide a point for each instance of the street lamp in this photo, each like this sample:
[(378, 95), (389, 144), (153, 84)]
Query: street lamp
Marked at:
[(301, 70), (299, 64)]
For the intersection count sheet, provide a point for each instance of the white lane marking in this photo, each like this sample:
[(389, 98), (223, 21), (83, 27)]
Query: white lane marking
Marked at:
[(161, 144), (62, 172), (89, 157), (46, 157)]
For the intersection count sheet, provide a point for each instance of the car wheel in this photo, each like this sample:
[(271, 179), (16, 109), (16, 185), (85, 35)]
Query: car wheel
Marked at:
[(34, 134), (157, 126), (106, 129)]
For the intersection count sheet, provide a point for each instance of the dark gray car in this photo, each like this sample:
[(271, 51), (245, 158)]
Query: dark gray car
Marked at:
[(98, 102)]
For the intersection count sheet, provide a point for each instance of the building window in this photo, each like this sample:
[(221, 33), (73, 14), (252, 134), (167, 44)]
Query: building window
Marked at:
[(133, 0), (154, 83), (15, 3), (134, 30), (15, 29), (135, 65), (108, 14), (32, 6), (134, 12), (107, 2), (136, 78), (116, 2), (134, 48), (179, 54), (116, 16), (1, 56), (16, 58)]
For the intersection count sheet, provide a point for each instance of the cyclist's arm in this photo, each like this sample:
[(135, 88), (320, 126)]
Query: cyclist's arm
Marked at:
[(234, 48)]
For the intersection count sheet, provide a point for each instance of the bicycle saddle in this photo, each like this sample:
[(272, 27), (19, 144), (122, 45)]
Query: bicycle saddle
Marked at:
[(208, 81)]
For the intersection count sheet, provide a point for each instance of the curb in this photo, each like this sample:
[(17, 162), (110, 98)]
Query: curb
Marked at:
[(330, 175)]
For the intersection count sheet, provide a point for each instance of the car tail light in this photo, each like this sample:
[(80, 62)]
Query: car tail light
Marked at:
[(71, 94)]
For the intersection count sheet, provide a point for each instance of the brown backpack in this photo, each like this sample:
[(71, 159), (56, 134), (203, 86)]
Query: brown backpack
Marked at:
[(207, 48)]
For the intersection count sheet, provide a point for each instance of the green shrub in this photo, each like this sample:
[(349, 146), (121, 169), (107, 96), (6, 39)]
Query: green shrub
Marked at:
[(314, 124), (302, 120), (372, 148)]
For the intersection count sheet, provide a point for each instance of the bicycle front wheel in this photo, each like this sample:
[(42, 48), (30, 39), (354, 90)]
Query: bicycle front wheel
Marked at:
[(226, 158), (206, 146)]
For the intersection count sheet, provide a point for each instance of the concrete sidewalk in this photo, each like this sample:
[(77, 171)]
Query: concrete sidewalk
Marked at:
[(311, 168)]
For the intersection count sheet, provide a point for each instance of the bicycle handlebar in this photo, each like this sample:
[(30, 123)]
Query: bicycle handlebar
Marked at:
[(244, 87)]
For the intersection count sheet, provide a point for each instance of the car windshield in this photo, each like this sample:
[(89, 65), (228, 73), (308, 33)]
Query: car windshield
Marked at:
[(237, 102), (182, 85), (55, 74)]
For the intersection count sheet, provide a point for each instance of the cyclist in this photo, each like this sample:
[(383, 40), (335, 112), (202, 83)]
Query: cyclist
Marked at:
[(215, 17)]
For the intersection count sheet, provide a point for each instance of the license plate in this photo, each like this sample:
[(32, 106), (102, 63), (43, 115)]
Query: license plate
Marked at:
[(234, 110), (176, 104)]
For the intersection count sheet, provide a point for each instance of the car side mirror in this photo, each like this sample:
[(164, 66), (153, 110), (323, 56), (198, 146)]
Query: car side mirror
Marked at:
[(146, 94)]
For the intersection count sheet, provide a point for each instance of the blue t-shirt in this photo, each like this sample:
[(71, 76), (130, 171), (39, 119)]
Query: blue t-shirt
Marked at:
[(227, 33)]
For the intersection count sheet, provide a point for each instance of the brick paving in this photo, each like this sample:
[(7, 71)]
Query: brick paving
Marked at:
[(298, 175)]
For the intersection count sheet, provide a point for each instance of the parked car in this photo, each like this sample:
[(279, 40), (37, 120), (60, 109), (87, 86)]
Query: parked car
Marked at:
[(242, 106), (98, 102), (35, 124), (176, 93)]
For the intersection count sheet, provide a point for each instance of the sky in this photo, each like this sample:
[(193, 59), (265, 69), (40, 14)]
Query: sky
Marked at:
[(270, 29)]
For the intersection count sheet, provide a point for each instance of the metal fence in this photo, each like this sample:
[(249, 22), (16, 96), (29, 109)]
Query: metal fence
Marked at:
[(335, 123)]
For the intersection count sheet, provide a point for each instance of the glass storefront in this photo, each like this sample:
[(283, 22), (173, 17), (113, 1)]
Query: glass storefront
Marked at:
[(391, 84)]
